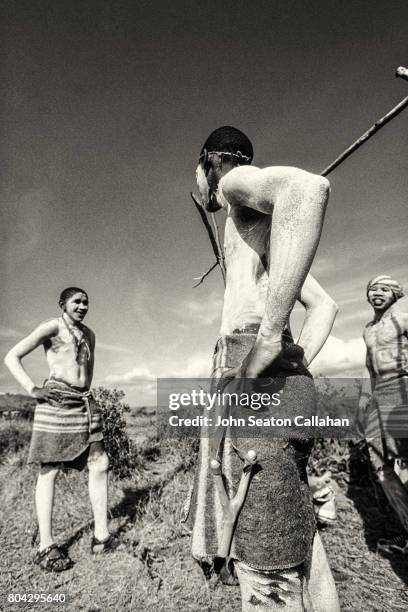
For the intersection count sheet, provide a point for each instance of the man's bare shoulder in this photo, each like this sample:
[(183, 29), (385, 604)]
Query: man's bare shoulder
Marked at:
[(400, 308), (49, 326), (44, 331), (252, 186), (239, 181), (367, 328)]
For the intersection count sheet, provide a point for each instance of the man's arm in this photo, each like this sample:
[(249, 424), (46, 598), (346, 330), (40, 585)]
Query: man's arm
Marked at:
[(13, 358), (321, 312), (297, 202)]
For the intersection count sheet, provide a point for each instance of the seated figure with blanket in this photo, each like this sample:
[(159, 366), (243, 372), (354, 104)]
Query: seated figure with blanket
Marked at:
[(274, 220), (67, 429)]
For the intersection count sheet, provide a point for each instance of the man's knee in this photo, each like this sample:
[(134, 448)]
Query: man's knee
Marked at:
[(98, 462)]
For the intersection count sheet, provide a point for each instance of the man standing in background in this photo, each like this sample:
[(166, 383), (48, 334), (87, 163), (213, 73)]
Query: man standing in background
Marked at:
[(384, 395)]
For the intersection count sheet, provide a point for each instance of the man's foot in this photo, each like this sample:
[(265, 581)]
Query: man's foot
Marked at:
[(53, 559), (324, 504), (108, 545), (398, 544)]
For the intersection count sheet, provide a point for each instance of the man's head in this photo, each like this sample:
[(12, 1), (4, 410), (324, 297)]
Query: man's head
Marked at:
[(225, 148), (74, 302), (383, 291)]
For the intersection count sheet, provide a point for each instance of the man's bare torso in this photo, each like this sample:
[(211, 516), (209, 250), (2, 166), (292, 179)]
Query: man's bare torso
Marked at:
[(387, 344), (246, 247), (69, 353)]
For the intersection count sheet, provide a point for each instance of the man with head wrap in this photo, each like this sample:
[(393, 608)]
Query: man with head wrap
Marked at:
[(274, 219), (384, 395)]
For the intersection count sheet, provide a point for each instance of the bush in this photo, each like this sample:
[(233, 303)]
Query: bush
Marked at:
[(15, 434), (340, 455), (119, 447)]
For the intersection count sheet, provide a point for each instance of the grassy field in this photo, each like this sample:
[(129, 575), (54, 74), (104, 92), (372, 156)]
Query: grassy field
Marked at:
[(153, 570)]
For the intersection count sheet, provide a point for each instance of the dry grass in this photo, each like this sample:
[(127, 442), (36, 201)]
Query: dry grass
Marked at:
[(153, 570)]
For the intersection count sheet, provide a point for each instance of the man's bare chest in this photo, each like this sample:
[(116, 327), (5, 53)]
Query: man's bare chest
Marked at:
[(384, 332), (69, 346), (246, 239)]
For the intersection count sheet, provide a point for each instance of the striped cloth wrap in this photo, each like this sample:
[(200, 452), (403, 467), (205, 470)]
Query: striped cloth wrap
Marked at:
[(387, 415), (65, 425)]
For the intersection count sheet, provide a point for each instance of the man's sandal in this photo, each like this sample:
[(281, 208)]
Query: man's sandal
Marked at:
[(324, 505), (53, 559), (104, 546)]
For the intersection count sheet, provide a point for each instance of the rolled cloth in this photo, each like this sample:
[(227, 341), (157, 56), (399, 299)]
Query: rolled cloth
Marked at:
[(65, 425), (276, 525), (385, 279)]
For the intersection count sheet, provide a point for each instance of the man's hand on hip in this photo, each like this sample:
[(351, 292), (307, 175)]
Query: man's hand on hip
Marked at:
[(268, 354)]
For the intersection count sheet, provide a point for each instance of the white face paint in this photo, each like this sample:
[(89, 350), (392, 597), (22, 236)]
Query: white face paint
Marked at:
[(202, 185)]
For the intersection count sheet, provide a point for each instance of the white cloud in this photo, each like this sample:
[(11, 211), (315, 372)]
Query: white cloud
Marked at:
[(196, 366), (351, 300), (339, 357), (201, 312), (140, 384), (114, 348), (8, 332), (362, 315), (134, 375)]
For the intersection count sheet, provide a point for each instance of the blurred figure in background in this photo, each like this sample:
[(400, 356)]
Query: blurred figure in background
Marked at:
[(384, 396)]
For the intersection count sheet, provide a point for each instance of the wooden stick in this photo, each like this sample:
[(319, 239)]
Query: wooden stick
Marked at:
[(203, 276), (401, 72), (213, 240), (220, 249), (231, 507)]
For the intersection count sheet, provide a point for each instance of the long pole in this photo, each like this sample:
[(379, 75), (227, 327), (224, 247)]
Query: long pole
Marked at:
[(400, 72)]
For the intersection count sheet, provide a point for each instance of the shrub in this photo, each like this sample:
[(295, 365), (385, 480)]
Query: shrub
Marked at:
[(341, 456), (119, 447), (15, 434)]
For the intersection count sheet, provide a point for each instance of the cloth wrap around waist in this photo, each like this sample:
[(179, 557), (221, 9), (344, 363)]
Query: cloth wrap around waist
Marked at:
[(276, 525), (387, 415), (65, 425)]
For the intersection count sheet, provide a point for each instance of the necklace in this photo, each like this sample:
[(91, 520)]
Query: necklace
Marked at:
[(77, 342)]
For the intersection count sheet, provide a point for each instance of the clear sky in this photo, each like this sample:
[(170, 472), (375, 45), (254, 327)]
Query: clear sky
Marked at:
[(105, 108)]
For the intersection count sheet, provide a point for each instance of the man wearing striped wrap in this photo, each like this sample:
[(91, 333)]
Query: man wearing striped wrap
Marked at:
[(384, 395), (67, 429)]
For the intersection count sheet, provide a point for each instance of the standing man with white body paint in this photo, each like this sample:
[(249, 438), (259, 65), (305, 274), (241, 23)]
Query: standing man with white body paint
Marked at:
[(67, 429), (274, 220), (384, 396)]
